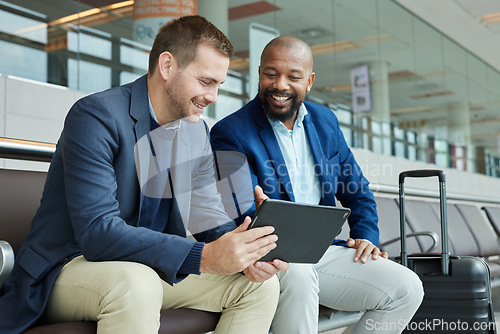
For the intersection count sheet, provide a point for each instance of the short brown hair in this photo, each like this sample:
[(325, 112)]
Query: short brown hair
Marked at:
[(182, 36)]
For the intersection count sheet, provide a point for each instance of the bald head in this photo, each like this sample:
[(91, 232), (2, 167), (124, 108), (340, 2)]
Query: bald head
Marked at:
[(299, 47)]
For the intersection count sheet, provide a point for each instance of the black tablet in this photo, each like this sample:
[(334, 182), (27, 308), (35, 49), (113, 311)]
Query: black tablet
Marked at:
[(304, 231)]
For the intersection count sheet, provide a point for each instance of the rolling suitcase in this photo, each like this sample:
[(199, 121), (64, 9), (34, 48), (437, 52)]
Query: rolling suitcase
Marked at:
[(457, 289)]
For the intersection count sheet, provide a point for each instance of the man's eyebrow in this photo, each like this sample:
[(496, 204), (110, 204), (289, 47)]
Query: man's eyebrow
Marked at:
[(269, 68), (298, 71)]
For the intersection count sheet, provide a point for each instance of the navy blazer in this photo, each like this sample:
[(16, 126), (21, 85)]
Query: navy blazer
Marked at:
[(249, 132), (92, 200)]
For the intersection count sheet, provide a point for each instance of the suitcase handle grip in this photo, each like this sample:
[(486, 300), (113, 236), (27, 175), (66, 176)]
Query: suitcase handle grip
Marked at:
[(422, 173)]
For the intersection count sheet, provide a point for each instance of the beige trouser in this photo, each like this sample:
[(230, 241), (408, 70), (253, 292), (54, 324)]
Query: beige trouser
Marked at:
[(388, 293), (126, 297)]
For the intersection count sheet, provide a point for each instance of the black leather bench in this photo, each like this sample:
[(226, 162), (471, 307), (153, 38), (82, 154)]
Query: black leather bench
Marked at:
[(19, 200)]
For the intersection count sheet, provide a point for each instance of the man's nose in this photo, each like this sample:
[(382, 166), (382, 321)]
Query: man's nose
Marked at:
[(281, 83), (211, 96)]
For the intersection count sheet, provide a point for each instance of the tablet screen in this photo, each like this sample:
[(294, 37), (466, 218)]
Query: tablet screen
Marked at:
[(304, 231)]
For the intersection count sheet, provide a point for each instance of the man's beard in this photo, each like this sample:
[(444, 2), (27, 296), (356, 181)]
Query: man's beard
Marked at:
[(179, 108), (279, 115)]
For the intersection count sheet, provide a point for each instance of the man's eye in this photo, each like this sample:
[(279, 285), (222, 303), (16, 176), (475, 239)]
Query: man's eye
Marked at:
[(295, 78), (204, 82), (270, 75)]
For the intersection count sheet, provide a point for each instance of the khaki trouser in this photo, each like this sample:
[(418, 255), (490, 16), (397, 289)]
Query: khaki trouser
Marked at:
[(126, 297), (388, 293)]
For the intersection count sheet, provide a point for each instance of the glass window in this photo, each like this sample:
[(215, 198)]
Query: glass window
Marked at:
[(134, 56), (441, 147), (412, 145), (343, 115), (399, 149), (126, 77), (24, 27), (226, 105), (232, 84), (88, 77), (347, 134), (91, 45), (23, 61), (376, 133), (386, 132)]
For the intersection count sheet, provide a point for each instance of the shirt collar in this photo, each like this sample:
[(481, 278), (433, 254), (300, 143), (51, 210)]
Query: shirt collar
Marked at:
[(278, 125), (172, 125)]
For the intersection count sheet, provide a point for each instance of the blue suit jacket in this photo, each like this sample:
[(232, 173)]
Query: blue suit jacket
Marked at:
[(249, 132), (92, 200)]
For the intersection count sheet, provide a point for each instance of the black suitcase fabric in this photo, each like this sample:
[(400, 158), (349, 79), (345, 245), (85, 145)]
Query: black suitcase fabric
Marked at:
[(457, 289)]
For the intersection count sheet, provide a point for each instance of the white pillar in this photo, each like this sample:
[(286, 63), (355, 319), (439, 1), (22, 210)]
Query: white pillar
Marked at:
[(459, 132), (216, 11), (379, 79)]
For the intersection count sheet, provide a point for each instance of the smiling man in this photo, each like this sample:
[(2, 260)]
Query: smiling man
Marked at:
[(297, 152), (131, 222)]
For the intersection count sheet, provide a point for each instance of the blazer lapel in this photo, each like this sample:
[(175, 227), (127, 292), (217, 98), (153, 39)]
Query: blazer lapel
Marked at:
[(139, 111), (139, 107), (273, 149)]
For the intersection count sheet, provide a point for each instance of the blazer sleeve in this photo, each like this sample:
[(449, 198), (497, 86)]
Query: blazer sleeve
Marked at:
[(90, 143)]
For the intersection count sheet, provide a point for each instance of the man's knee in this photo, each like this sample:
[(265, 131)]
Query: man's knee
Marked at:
[(299, 278), (137, 287), (269, 291), (407, 291), (411, 288)]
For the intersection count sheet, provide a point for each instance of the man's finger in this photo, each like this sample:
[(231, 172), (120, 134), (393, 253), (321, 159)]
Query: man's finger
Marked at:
[(259, 196), (266, 269), (261, 251), (263, 242), (281, 265), (351, 242), (256, 233), (359, 250), (366, 252), (244, 226)]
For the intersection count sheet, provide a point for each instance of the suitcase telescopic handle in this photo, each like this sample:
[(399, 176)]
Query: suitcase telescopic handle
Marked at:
[(445, 255), (422, 173)]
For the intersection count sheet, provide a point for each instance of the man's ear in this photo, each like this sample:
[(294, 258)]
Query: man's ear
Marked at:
[(165, 63), (310, 82)]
